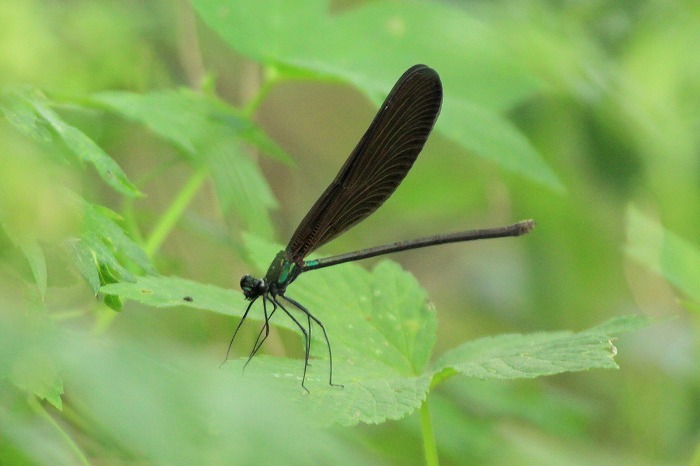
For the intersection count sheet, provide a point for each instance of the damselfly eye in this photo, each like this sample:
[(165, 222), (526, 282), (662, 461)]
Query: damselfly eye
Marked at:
[(253, 287), (247, 282)]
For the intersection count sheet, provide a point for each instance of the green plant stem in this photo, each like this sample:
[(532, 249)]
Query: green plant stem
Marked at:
[(271, 77), (127, 209), (173, 214), (441, 376), (426, 425), (39, 409)]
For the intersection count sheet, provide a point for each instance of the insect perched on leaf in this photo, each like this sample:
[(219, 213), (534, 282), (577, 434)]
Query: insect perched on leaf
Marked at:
[(375, 168)]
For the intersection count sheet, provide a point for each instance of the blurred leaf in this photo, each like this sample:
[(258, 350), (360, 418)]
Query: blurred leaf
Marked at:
[(113, 302), (101, 231), (667, 254), (104, 253), (537, 354), (184, 412), (189, 119), (240, 185), (39, 373), (209, 132), (21, 114), (344, 45), (85, 261), (493, 137), (32, 251), (480, 80), (29, 111), (35, 255), (27, 333), (623, 324), (691, 306), (548, 408), (181, 117)]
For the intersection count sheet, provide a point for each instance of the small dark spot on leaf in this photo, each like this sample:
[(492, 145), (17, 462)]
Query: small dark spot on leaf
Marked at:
[(144, 291), (189, 299)]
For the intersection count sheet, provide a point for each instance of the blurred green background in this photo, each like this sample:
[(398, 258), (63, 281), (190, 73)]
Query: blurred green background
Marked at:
[(582, 115)]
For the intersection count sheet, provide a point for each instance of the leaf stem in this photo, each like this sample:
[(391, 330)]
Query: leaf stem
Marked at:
[(429, 445), (39, 409), (271, 77), (174, 212)]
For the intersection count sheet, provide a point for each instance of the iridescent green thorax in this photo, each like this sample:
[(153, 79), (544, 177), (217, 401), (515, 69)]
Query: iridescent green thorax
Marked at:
[(282, 272)]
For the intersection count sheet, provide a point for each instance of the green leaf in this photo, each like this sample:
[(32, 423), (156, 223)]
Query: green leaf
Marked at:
[(664, 252), (85, 261), (380, 326), (537, 354), (241, 186), (113, 302), (162, 291), (382, 316), (381, 329), (189, 119), (370, 394), (37, 262), (29, 111), (209, 132), (32, 251), (178, 116), (493, 137), (344, 45), (184, 410), (27, 360), (100, 228), (39, 374), (104, 253), (480, 79), (17, 107)]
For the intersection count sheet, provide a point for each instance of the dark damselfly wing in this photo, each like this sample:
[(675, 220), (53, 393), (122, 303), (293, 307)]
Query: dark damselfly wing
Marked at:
[(377, 165)]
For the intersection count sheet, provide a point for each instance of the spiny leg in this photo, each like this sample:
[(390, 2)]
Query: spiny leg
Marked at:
[(265, 328), (325, 335), (245, 314), (307, 344)]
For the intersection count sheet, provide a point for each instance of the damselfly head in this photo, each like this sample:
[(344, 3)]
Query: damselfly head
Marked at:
[(253, 287)]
